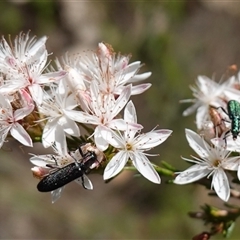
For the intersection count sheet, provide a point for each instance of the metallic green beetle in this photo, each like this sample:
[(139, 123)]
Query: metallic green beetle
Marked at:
[(233, 111), (234, 114)]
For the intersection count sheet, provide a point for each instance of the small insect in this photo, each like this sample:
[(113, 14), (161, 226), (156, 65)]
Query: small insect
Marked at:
[(233, 111), (218, 122), (62, 176), (234, 114)]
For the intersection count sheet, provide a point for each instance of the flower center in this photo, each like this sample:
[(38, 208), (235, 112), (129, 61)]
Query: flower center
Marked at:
[(128, 146), (216, 162)]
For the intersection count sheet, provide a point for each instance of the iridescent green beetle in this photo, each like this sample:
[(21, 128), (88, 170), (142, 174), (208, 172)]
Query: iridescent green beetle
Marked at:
[(234, 114), (233, 111)]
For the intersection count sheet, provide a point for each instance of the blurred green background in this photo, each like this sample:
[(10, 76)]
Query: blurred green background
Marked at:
[(177, 41)]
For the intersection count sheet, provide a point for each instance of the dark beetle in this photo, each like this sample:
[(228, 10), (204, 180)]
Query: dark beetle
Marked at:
[(68, 173)]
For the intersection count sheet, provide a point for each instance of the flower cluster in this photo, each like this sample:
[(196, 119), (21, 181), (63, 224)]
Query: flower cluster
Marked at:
[(81, 98), (217, 120)]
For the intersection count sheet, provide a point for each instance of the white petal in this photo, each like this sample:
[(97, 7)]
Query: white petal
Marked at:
[(143, 165), (74, 79), (130, 114), (36, 93), (115, 165), (232, 145), (96, 100), (70, 102), (152, 139), (238, 173), (130, 70), (111, 137), (3, 134), (38, 47), (232, 163), (201, 116), (60, 141), (51, 77), (82, 117), (139, 77), (192, 174), (86, 181), (197, 143), (205, 84), (23, 112), (219, 142), (122, 100), (69, 126), (138, 89), (100, 142), (20, 134), (221, 184), (191, 109), (118, 124), (26, 97), (12, 85), (42, 160), (48, 137), (56, 194)]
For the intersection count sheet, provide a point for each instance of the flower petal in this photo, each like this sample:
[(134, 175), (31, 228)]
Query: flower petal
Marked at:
[(130, 113), (112, 137), (192, 174), (144, 166), (60, 142), (152, 139), (36, 93), (191, 109), (115, 165), (122, 100), (100, 142), (20, 134), (3, 133), (201, 116), (138, 89), (51, 77), (197, 143), (23, 112), (221, 184), (140, 77), (48, 136), (42, 160), (118, 124), (82, 117), (69, 126)]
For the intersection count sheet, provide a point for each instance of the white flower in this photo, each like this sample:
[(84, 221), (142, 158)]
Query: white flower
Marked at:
[(9, 121), (209, 93), (132, 146), (211, 162), (23, 66), (113, 72), (56, 107), (102, 111)]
